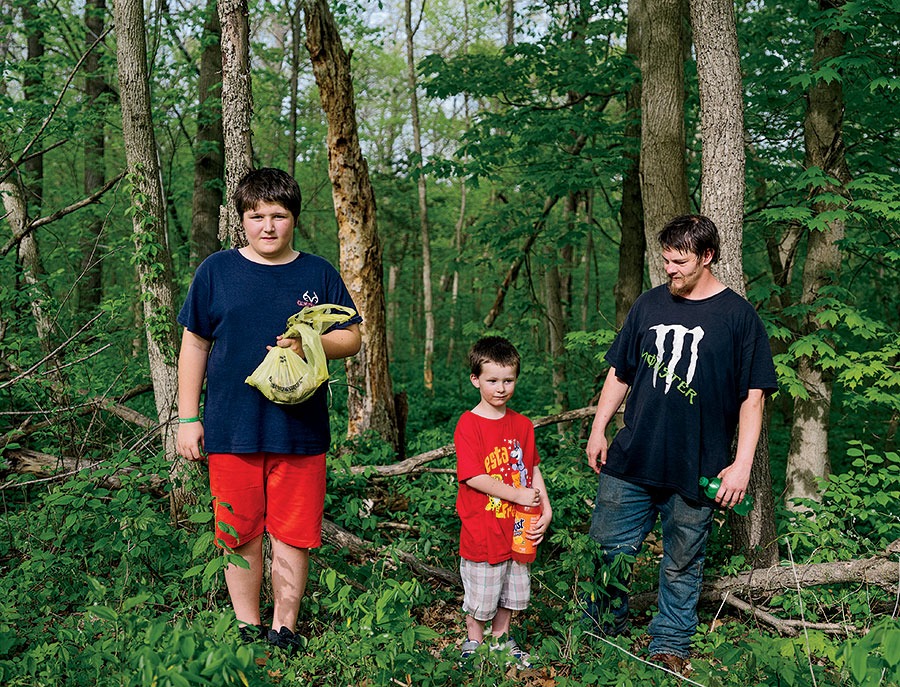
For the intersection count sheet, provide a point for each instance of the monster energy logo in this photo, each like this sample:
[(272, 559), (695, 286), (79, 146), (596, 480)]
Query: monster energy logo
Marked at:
[(667, 371)]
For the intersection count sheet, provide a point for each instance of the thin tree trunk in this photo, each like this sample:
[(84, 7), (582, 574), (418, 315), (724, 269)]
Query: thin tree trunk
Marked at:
[(90, 283), (664, 190), (27, 194), (209, 162), (371, 398), (424, 230), (630, 281), (808, 460), (237, 108), (153, 260), (293, 10), (556, 319)]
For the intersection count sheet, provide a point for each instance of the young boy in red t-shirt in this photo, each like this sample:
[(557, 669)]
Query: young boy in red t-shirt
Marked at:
[(497, 467)]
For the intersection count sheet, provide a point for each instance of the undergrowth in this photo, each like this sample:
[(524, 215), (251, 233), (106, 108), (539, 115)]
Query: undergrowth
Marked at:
[(99, 587)]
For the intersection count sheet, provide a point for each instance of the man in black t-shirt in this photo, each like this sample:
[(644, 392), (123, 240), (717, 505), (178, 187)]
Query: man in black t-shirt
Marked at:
[(696, 359)]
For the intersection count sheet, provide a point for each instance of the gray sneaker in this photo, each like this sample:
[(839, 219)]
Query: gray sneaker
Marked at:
[(468, 649), (513, 653)]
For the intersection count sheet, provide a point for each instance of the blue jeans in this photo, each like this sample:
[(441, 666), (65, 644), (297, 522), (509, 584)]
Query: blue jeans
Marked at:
[(624, 514)]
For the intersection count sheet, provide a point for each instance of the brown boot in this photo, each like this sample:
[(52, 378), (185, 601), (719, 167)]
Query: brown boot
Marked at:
[(676, 664)]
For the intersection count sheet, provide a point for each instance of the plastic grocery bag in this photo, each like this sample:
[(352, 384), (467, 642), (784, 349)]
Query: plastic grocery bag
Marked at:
[(285, 377)]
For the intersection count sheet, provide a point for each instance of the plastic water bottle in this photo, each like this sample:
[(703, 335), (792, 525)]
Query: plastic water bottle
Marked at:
[(524, 550), (711, 488)]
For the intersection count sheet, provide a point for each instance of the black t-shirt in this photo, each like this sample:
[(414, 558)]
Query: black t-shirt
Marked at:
[(241, 306), (690, 365)]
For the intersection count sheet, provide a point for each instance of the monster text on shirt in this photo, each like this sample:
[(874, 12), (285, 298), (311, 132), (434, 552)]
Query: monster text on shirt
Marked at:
[(667, 370)]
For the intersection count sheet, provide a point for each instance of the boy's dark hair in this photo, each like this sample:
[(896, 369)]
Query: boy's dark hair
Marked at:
[(493, 349), (267, 185), (691, 234)]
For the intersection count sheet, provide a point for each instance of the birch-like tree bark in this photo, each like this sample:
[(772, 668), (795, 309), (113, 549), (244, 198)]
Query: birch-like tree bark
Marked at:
[(664, 188), (808, 460), (722, 200), (237, 108), (153, 260), (371, 398), (209, 161)]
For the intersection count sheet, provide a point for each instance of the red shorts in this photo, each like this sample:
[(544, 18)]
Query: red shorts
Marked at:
[(281, 493)]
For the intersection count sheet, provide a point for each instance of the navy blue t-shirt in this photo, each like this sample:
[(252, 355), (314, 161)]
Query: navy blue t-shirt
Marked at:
[(690, 365), (241, 306)]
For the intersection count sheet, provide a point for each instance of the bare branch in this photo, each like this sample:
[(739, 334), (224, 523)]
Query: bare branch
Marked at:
[(41, 221)]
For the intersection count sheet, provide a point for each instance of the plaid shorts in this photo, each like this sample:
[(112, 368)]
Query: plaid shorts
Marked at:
[(489, 586), (280, 493)]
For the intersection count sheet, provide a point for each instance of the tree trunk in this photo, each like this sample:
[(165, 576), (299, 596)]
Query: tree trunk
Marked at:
[(722, 200), (664, 190), (371, 397), (630, 281), (292, 9), (90, 282), (23, 195), (556, 319), (424, 231), (237, 107), (808, 460), (153, 260), (209, 165)]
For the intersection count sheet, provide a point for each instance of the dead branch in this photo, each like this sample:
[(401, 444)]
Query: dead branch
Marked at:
[(57, 469), (339, 537), (882, 570), (414, 463), (53, 353), (790, 627)]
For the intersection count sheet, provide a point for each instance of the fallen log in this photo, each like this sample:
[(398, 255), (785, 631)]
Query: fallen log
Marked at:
[(415, 463)]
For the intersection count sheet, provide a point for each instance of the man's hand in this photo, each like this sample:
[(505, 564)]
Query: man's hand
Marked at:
[(597, 448), (735, 479)]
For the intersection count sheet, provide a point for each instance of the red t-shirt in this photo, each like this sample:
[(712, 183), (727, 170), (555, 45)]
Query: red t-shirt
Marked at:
[(505, 450)]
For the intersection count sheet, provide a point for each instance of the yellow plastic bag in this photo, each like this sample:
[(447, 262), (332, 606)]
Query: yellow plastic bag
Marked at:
[(285, 377)]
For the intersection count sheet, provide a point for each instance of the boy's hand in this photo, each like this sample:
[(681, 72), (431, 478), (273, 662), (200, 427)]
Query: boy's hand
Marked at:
[(189, 442), (528, 497), (295, 345), (539, 529)]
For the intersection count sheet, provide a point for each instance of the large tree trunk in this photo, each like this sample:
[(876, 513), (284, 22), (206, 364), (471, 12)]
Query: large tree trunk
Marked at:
[(424, 230), (153, 260), (371, 398), (663, 167), (237, 108), (808, 460), (722, 200), (630, 281), (209, 163)]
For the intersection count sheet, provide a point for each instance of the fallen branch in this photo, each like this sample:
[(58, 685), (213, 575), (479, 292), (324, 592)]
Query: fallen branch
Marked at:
[(789, 627), (414, 463), (56, 469), (339, 537)]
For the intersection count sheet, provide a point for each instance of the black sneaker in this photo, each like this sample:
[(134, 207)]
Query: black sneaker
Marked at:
[(251, 633), (285, 639)]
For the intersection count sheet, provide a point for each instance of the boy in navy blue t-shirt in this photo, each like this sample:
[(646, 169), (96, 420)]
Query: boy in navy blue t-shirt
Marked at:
[(266, 461)]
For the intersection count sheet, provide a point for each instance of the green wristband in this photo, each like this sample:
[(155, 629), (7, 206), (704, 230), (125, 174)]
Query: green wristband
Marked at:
[(186, 420)]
